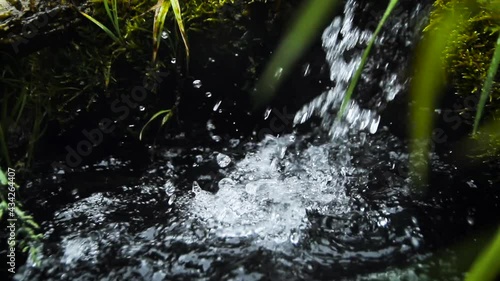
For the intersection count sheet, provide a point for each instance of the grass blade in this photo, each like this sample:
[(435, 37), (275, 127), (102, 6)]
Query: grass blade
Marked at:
[(295, 42), (168, 113), (487, 265), (488, 83), (3, 178), (178, 17), (364, 58), (116, 22), (100, 25), (425, 88), (112, 14)]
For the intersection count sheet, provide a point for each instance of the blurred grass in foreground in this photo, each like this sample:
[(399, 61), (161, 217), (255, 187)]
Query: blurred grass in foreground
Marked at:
[(300, 36)]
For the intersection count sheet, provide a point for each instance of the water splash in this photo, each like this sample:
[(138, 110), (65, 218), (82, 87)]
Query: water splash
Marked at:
[(343, 37), (268, 193)]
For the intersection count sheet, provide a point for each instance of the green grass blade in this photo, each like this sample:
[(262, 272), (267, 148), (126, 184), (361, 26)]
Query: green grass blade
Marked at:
[(488, 83), (168, 114), (295, 42), (100, 25), (161, 11), (487, 265), (178, 17), (116, 22), (112, 14), (425, 88), (364, 58)]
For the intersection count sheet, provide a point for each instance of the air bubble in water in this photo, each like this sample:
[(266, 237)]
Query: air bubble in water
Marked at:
[(208, 94), (164, 35), (251, 188), (223, 160), (142, 108)]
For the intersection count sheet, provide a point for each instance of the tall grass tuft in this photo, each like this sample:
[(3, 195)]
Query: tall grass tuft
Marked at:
[(113, 16)]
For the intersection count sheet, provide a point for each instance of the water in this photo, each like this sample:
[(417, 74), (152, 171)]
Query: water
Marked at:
[(335, 204)]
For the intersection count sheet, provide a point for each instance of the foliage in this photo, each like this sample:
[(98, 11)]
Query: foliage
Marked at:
[(470, 49)]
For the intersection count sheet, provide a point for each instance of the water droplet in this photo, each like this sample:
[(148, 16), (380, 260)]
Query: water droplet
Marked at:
[(307, 69), (169, 188), (278, 73), (216, 106), (216, 138), (294, 238), (234, 142), (415, 242), (374, 125), (173, 61), (210, 125), (382, 222), (267, 113), (171, 199), (208, 94), (223, 160), (197, 84), (164, 35), (470, 220), (142, 108), (471, 184), (196, 187)]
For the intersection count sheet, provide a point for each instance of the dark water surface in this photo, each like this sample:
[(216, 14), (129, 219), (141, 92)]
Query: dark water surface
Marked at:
[(329, 201)]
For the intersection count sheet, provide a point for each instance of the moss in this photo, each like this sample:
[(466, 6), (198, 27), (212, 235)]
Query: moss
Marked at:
[(471, 49)]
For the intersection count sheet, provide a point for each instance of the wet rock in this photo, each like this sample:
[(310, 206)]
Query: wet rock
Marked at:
[(23, 21)]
